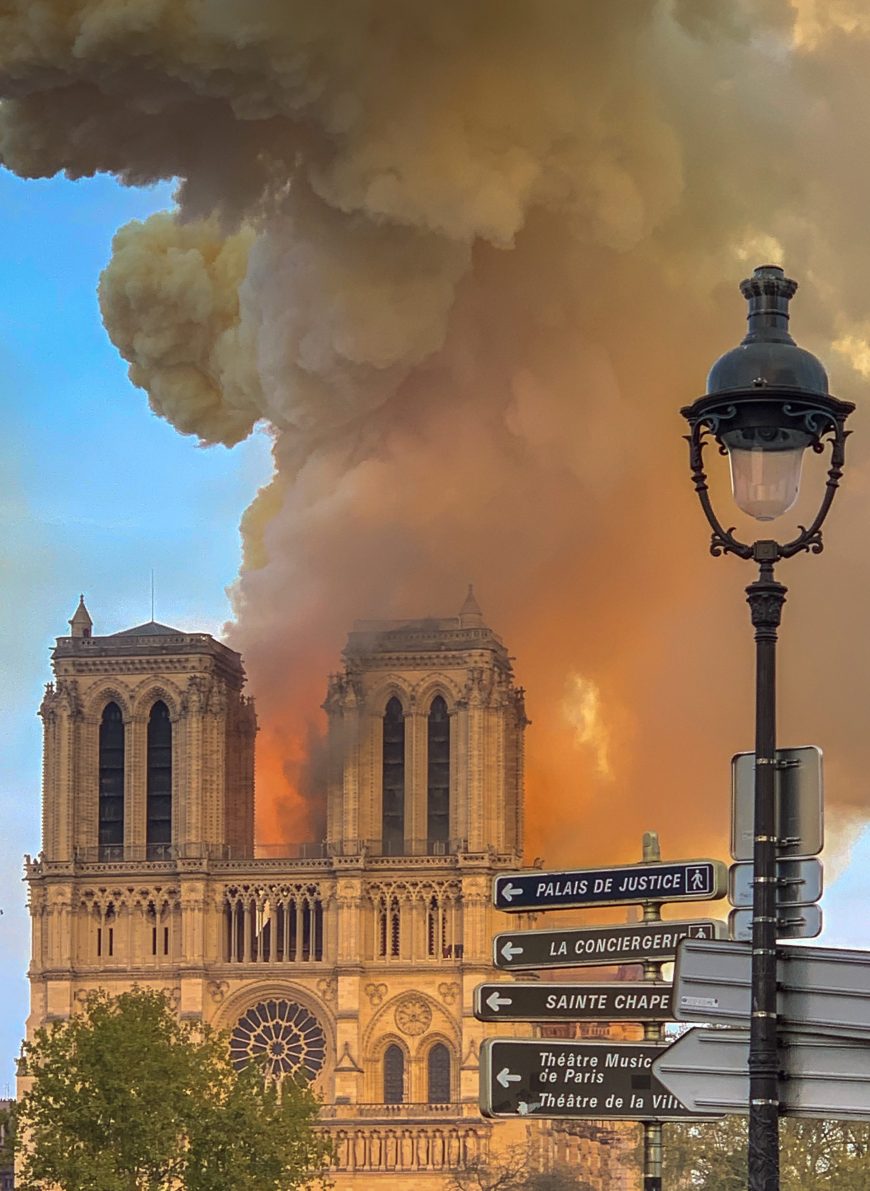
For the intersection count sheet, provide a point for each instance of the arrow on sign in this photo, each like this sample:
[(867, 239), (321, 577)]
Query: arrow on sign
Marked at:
[(509, 892), (495, 1002), (505, 1078), (510, 950)]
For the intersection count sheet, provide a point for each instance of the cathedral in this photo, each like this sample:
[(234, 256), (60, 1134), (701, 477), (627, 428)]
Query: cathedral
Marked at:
[(353, 959)]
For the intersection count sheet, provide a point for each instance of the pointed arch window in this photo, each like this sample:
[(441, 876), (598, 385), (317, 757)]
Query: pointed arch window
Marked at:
[(436, 928), (393, 813), (159, 792), (111, 799), (438, 803), (394, 1075), (389, 928), (439, 1074)]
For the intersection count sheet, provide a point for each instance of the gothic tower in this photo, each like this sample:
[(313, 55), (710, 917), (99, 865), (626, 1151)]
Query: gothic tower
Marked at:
[(426, 733), (148, 769), (353, 958)]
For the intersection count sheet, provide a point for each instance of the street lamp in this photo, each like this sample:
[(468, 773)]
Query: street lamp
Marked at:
[(767, 400)]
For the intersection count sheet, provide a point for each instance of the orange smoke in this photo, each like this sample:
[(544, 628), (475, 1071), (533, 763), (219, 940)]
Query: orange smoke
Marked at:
[(467, 262)]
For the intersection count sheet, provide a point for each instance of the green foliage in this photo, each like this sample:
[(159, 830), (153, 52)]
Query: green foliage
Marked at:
[(818, 1155), (125, 1097), (8, 1117), (709, 1154)]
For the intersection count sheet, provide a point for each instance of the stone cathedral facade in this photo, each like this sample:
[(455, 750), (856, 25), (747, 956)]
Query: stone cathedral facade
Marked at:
[(354, 958)]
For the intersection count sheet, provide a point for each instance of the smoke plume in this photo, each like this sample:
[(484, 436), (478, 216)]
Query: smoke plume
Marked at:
[(466, 261)]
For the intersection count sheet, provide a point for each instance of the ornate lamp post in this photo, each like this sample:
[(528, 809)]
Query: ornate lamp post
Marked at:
[(767, 400)]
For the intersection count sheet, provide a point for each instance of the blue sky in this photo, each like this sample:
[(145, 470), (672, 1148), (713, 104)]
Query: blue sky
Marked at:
[(96, 491)]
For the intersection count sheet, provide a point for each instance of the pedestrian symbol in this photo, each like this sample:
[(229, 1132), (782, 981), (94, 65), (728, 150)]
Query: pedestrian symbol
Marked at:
[(698, 878)]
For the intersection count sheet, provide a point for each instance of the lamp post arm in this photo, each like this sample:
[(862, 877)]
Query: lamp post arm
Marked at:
[(723, 540), (811, 538)]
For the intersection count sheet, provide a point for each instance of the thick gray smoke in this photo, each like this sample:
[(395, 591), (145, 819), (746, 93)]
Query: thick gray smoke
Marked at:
[(467, 261)]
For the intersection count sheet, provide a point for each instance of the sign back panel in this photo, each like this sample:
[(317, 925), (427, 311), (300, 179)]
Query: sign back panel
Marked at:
[(821, 990), (799, 794), (825, 1077)]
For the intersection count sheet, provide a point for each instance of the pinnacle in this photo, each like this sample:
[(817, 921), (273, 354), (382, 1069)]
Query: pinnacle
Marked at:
[(80, 622), (470, 607)]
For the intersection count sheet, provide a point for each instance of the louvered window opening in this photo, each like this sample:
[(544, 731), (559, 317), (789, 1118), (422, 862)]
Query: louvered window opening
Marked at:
[(159, 790), (438, 802), (111, 781), (393, 814)]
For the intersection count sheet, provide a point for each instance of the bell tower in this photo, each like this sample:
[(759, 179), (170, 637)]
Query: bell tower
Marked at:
[(149, 745), (426, 736)]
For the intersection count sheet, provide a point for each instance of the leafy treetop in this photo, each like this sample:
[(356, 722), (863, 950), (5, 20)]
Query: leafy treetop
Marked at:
[(124, 1096)]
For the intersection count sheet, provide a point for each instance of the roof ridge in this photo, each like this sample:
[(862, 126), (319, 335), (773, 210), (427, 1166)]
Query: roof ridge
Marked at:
[(151, 628)]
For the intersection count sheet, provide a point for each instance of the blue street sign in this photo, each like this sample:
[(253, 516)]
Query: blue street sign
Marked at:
[(680, 881)]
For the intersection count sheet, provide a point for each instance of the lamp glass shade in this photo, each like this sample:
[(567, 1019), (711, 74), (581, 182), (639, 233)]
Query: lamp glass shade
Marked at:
[(765, 467), (765, 483)]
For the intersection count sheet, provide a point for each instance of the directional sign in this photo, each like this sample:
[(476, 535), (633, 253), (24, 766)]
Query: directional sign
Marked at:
[(595, 946), (798, 883), (630, 1000), (823, 990), (795, 922), (708, 1070), (683, 880), (798, 793), (577, 1080)]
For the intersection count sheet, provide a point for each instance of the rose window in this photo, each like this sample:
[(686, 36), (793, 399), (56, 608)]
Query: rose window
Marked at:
[(280, 1036), (413, 1015)]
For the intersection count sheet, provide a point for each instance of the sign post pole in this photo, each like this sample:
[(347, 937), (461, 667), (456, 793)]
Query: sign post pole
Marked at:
[(766, 597), (653, 1031)]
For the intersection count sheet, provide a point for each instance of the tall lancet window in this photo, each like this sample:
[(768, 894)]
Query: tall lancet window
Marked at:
[(393, 818), (159, 809), (394, 1075), (111, 806), (438, 817), (439, 1074)]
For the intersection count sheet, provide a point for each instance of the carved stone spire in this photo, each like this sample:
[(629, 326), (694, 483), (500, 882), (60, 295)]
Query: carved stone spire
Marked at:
[(470, 613), (80, 622)]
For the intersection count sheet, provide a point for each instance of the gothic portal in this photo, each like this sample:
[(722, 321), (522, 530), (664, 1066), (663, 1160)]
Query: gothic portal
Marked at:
[(353, 959)]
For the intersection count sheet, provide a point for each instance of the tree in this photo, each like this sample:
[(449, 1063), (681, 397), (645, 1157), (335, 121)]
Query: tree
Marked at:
[(513, 1170), (708, 1154), (814, 1155), (124, 1097), (7, 1138)]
